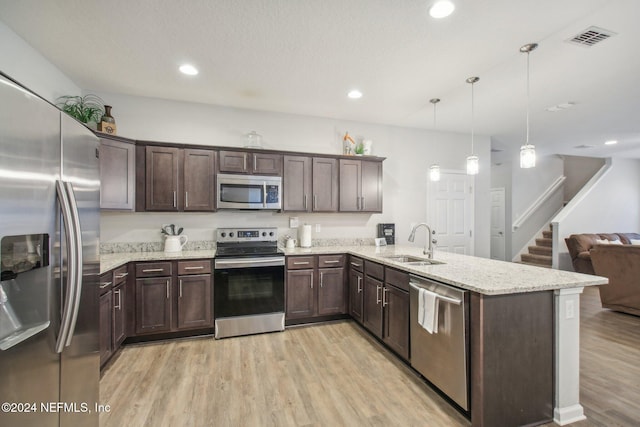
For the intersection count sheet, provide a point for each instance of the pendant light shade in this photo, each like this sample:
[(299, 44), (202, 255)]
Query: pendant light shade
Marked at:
[(434, 170), (434, 173), (528, 150), (473, 164)]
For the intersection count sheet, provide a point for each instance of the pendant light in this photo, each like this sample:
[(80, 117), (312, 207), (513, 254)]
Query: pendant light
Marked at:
[(434, 169), (472, 160), (528, 151)]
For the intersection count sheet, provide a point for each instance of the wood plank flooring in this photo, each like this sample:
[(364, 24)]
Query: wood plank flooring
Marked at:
[(337, 375)]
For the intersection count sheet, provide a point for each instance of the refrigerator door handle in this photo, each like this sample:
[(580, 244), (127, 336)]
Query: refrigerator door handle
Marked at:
[(77, 263), (70, 240)]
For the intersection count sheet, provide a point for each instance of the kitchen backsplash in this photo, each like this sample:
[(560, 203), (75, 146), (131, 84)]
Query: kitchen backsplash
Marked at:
[(118, 247)]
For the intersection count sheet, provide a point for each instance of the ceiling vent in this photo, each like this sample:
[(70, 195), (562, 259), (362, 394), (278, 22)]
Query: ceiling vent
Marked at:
[(591, 36), (583, 146)]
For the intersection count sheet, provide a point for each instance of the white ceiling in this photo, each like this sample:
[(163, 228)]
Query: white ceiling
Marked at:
[(303, 57)]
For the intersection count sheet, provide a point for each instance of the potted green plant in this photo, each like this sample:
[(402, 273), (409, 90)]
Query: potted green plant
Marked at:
[(87, 109)]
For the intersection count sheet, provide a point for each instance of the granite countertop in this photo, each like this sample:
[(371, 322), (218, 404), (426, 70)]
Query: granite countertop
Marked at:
[(482, 275)]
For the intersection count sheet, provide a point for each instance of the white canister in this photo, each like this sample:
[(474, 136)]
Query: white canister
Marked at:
[(174, 243), (305, 236), (366, 147)]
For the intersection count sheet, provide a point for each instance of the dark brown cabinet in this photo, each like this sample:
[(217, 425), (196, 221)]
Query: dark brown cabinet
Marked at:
[(310, 184), (385, 308), (117, 174), (315, 286), (360, 186), (176, 179), (356, 283), (106, 345), (248, 162), (194, 308), (113, 319), (173, 296)]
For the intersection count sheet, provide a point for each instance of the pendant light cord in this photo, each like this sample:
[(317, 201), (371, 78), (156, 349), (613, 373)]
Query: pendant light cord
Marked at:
[(528, 97), (472, 117)]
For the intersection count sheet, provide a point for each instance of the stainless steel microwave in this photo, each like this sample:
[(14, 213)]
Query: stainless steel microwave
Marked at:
[(249, 192)]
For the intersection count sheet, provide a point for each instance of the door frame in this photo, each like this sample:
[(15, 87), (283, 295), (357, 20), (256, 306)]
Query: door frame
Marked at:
[(504, 222)]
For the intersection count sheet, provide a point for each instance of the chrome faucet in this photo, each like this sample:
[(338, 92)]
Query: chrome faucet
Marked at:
[(428, 248)]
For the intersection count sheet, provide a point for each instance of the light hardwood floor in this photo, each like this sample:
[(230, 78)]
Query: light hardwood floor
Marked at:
[(336, 375)]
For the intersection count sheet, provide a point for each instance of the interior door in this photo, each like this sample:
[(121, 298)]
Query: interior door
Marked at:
[(450, 211), (497, 224)]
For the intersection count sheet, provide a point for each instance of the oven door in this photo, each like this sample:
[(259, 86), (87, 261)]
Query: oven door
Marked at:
[(248, 286)]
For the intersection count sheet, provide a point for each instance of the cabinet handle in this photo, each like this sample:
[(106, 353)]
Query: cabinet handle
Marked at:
[(120, 276), (332, 261), (355, 264), (119, 305), (186, 199), (175, 199), (378, 301), (167, 288), (180, 288), (105, 284), (312, 280), (321, 274), (255, 160), (244, 161), (305, 202), (384, 297), (200, 267), (300, 262), (359, 284), (315, 202), (153, 270)]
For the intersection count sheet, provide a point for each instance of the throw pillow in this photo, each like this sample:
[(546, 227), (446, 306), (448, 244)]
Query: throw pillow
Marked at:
[(615, 242), (602, 242)]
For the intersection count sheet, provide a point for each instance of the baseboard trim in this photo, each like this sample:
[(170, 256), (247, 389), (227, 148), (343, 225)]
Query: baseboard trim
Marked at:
[(569, 414)]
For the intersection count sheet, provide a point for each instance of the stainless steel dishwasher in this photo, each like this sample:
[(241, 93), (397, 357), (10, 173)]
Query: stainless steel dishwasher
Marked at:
[(442, 357)]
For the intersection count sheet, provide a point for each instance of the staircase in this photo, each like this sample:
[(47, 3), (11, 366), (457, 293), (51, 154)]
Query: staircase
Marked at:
[(540, 254)]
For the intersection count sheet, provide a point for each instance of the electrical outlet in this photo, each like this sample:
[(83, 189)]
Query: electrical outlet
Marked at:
[(318, 228), (293, 222), (569, 310)]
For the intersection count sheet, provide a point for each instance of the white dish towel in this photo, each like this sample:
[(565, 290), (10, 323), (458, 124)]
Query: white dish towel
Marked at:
[(428, 306)]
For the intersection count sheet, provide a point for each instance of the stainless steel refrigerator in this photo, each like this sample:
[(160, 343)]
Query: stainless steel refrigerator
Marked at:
[(49, 239)]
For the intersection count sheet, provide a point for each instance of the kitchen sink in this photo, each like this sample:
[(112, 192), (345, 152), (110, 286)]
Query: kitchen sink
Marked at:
[(411, 260)]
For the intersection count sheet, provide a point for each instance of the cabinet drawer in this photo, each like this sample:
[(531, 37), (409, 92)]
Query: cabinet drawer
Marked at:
[(301, 262), (374, 269), (201, 266), (106, 282), (120, 275), (356, 263), (397, 278), (153, 269), (328, 261)]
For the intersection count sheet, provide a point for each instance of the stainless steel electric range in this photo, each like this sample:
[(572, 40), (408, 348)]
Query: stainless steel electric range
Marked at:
[(248, 287)]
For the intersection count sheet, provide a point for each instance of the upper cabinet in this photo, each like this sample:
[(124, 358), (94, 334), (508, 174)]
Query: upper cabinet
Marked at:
[(176, 179), (310, 184), (117, 174), (360, 186), (247, 162)]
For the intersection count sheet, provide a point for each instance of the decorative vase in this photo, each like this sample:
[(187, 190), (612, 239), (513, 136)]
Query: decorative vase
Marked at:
[(108, 123)]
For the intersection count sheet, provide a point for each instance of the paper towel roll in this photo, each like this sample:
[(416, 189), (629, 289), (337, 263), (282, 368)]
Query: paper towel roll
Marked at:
[(305, 236)]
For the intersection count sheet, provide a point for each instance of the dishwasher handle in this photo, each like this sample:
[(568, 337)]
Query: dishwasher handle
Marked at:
[(440, 297)]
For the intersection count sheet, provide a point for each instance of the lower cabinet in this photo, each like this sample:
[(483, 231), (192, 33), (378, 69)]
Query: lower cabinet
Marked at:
[(173, 296), (315, 286), (113, 319), (385, 308)]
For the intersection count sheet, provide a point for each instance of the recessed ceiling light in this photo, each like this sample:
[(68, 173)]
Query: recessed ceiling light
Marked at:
[(561, 106), (355, 94), (441, 9), (188, 69), (611, 142)]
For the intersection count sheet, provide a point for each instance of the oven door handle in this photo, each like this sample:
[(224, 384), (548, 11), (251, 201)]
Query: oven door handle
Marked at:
[(221, 264)]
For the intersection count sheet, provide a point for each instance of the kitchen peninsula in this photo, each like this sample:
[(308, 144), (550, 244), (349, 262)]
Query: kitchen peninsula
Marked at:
[(523, 327)]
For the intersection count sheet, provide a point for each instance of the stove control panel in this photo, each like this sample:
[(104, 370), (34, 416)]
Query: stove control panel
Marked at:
[(231, 235)]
